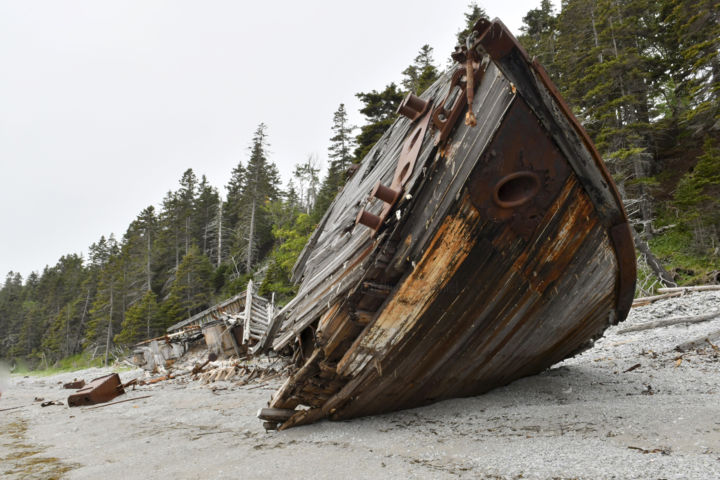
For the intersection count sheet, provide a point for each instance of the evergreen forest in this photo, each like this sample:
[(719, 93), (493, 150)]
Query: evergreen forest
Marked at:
[(642, 76)]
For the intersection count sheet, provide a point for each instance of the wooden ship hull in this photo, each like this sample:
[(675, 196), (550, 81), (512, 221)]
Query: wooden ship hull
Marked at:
[(459, 257)]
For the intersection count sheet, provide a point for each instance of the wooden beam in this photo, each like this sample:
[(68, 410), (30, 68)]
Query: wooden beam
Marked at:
[(642, 301), (699, 288), (671, 321), (276, 414)]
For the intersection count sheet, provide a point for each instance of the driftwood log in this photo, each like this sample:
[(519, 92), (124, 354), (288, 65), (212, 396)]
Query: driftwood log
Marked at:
[(700, 288), (670, 292), (701, 341), (642, 301), (653, 262), (671, 321)]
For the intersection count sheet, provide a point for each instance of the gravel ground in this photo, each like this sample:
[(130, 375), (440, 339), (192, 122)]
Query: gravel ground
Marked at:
[(631, 407)]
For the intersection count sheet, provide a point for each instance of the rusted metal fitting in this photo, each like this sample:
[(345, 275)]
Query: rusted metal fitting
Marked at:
[(75, 384), (481, 26), (368, 219), (102, 389), (413, 107), (460, 54), (386, 194)]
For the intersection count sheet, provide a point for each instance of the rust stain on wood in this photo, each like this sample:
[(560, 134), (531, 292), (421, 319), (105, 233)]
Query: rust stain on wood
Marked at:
[(451, 245)]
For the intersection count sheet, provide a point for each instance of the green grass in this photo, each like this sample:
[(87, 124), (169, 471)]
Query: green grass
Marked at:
[(675, 249), (73, 363)]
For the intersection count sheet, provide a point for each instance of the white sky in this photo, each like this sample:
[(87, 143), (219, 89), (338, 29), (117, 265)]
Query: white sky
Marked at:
[(104, 104)]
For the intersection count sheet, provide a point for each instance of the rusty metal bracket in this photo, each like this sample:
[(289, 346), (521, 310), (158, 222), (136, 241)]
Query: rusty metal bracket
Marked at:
[(415, 108), (446, 115), (75, 384), (368, 219)]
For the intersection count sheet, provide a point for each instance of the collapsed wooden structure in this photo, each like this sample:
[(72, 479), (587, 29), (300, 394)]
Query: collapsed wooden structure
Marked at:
[(461, 255), (247, 309), (242, 319), (233, 326)]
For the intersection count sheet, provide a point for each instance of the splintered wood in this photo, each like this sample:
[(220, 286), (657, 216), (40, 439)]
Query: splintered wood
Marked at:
[(240, 372)]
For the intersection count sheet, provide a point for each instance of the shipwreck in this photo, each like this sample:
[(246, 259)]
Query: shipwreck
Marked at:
[(480, 241)]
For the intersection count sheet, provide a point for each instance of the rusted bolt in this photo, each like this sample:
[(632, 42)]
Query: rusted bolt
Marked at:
[(413, 107), (386, 194), (368, 219)]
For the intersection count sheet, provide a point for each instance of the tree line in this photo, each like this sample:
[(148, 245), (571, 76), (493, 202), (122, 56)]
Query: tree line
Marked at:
[(643, 77), (192, 251)]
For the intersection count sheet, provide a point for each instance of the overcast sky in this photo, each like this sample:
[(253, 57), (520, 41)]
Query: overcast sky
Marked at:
[(104, 104)]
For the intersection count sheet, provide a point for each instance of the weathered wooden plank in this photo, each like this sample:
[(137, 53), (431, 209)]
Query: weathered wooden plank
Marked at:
[(433, 201), (314, 308), (700, 288), (668, 322), (275, 414), (317, 272)]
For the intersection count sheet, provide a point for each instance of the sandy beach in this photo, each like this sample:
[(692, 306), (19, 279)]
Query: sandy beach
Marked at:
[(630, 407)]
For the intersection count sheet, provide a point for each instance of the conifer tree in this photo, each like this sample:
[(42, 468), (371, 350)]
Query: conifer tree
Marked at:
[(380, 112), (138, 252), (205, 216), (185, 203), (340, 158), (422, 73), (602, 49), (29, 337), (698, 195), (106, 313), (11, 312), (259, 187), (306, 175), (192, 288), (540, 34), (290, 242), (473, 14), (142, 321), (59, 337), (691, 30)]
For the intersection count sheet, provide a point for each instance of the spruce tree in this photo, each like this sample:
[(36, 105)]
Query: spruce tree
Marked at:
[(340, 158), (698, 196), (540, 34), (204, 223), (380, 112), (185, 204), (107, 312), (306, 175), (692, 29), (422, 73), (142, 321), (259, 187), (192, 288), (11, 312), (59, 337), (473, 14)]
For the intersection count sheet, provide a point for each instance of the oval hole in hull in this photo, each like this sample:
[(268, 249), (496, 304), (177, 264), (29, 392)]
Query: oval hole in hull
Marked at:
[(515, 189)]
